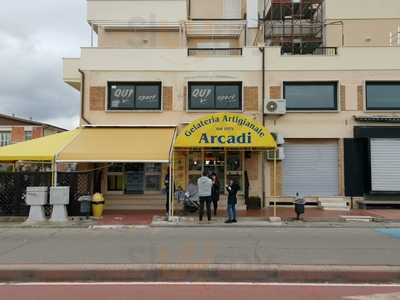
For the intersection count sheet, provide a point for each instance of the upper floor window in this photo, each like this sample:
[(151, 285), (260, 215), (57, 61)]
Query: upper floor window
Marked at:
[(383, 95), (310, 95), (28, 135), (5, 138), (134, 95), (215, 95)]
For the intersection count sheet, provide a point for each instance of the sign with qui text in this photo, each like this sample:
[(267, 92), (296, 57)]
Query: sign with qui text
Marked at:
[(231, 130)]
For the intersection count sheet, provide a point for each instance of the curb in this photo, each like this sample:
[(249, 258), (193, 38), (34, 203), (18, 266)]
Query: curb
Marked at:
[(280, 225), (200, 273)]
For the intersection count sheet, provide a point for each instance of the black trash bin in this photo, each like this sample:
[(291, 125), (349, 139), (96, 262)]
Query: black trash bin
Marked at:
[(85, 207)]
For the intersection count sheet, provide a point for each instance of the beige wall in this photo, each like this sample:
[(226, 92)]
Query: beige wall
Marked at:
[(212, 9), (176, 80), (326, 124), (361, 33), (362, 9), (139, 39), (144, 10), (365, 22)]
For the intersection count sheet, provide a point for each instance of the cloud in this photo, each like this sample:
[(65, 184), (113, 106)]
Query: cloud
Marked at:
[(31, 47)]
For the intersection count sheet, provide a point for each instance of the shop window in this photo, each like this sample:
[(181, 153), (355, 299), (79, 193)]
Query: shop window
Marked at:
[(195, 163), (215, 96), (383, 95), (152, 173), (234, 161), (134, 96), (28, 135), (234, 167), (115, 183), (5, 138), (310, 95)]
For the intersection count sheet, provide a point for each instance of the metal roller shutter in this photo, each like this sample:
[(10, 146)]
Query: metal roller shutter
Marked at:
[(311, 169), (385, 165)]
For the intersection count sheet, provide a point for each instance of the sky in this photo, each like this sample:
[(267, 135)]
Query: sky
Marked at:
[(34, 37)]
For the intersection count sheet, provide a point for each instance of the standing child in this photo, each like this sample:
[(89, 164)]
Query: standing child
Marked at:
[(232, 190)]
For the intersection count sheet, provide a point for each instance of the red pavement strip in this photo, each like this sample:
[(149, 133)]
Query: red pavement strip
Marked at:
[(201, 291), (200, 273)]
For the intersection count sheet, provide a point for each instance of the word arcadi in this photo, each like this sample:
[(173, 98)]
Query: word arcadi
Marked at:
[(241, 138)]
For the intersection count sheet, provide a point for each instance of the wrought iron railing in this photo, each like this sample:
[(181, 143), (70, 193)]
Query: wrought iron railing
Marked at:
[(326, 51), (215, 51)]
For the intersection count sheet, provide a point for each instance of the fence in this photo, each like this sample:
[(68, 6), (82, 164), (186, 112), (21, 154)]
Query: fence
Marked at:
[(13, 190)]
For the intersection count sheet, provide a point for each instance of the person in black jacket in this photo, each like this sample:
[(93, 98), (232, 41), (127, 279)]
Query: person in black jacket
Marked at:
[(232, 190), (215, 192), (166, 184)]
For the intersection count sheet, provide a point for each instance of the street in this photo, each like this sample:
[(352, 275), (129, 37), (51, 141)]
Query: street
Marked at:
[(201, 291), (146, 245)]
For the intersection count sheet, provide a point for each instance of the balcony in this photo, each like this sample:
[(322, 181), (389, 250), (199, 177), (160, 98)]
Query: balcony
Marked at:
[(71, 73), (215, 28), (347, 58), (326, 51), (168, 60), (215, 51)]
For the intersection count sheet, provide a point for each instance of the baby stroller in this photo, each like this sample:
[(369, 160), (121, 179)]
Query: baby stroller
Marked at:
[(191, 202)]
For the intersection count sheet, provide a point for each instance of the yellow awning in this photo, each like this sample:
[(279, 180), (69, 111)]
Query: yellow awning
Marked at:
[(225, 130), (119, 145), (41, 149)]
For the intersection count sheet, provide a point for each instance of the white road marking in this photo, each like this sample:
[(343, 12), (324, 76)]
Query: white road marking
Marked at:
[(391, 296), (197, 283)]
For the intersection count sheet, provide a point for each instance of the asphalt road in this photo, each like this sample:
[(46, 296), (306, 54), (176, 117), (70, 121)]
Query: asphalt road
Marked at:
[(197, 292), (305, 246)]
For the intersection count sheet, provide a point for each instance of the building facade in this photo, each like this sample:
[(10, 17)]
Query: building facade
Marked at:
[(15, 130), (324, 75)]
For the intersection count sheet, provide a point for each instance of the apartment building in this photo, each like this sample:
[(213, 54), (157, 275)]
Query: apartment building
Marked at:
[(15, 130), (322, 76)]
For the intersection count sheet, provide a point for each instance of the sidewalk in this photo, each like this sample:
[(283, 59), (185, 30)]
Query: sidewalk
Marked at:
[(312, 214), (314, 217)]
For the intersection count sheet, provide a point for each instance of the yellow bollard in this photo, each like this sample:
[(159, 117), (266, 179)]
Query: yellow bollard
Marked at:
[(97, 205)]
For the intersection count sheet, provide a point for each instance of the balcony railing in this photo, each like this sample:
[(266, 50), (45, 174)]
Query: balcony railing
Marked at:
[(215, 51), (325, 51)]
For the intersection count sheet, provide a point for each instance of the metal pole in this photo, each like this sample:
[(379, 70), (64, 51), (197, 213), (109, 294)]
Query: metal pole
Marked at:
[(54, 172), (173, 184), (170, 180), (275, 192)]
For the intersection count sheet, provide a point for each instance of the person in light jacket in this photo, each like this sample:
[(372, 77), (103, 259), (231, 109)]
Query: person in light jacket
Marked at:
[(299, 204), (232, 190), (204, 184)]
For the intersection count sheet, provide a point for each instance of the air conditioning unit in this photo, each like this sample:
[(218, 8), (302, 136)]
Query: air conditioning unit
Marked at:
[(275, 107), (279, 152)]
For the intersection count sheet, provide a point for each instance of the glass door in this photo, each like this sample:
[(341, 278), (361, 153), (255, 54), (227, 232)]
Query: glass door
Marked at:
[(214, 162), (234, 167), (134, 180)]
